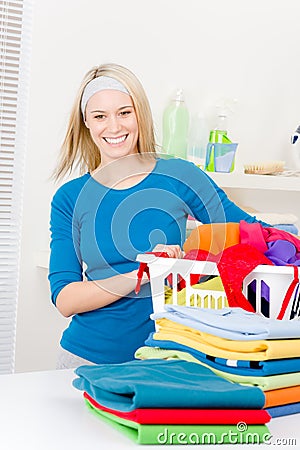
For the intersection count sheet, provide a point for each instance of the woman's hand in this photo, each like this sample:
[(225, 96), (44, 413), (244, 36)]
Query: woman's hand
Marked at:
[(174, 251)]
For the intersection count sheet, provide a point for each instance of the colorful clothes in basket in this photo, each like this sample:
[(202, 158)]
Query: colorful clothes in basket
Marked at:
[(234, 264)]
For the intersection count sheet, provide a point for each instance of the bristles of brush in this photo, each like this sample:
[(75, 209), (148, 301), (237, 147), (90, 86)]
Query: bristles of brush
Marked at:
[(264, 168)]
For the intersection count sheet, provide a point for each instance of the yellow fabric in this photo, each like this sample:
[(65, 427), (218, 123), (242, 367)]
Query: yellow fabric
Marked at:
[(146, 352), (214, 284), (260, 350), (267, 383)]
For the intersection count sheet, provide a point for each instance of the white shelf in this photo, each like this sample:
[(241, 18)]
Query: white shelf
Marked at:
[(247, 181)]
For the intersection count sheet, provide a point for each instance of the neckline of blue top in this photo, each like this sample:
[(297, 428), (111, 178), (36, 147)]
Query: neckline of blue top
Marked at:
[(133, 187)]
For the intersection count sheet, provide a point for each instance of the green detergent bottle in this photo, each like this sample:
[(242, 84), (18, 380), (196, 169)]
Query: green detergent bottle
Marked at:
[(217, 135), (176, 127)]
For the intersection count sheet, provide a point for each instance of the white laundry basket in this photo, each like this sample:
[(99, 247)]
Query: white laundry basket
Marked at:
[(276, 279)]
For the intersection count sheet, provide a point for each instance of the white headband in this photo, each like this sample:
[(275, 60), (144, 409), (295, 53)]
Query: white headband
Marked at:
[(100, 84)]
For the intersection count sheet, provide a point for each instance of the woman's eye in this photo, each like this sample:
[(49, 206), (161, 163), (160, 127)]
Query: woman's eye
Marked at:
[(99, 116), (125, 113)]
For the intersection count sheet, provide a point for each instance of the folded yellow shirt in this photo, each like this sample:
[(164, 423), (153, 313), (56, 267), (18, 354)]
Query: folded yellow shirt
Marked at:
[(209, 344)]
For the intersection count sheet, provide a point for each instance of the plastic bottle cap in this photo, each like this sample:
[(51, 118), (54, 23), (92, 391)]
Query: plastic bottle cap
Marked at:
[(179, 95)]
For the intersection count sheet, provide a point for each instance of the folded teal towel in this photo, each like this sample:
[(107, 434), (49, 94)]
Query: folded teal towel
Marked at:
[(158, 383)]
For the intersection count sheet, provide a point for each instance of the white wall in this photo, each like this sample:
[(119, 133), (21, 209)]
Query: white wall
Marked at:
[(212, 49)]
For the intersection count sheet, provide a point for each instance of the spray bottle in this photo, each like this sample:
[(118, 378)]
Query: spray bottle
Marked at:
[(176, 127), (294, 157), (219, 133)]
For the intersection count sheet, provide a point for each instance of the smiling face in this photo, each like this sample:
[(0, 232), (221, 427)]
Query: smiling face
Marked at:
[(111, 120)]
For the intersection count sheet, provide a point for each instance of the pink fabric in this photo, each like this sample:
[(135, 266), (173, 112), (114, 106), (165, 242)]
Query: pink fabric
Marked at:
[(256, 235), (252, 234)]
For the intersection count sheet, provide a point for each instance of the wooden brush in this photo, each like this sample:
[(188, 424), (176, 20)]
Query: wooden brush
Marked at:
[(264, 167)]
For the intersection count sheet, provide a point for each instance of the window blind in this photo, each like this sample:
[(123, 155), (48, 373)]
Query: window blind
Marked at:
[(15, 44)]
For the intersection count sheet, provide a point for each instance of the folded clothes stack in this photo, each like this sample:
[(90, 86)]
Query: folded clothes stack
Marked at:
[(237, 345), (159, 401)]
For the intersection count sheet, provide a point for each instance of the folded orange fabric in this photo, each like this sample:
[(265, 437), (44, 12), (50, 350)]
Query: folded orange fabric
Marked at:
[(213, 237), (282, 396)]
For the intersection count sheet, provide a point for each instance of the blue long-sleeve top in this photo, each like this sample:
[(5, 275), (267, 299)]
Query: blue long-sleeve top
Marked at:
[(104, 229)]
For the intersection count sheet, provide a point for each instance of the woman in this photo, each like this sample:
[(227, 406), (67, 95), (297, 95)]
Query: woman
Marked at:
[(128, 201)]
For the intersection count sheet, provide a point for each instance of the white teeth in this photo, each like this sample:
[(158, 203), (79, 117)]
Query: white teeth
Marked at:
[(116, 140)]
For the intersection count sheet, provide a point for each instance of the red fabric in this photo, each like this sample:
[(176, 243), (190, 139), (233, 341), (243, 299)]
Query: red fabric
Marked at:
[(289, 293), (234, 264), (188, 416), (143, 267)]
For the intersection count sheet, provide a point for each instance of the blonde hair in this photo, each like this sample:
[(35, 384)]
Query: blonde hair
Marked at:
[(78, 148)]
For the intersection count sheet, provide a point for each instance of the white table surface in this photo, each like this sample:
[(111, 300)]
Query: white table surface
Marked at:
[(43, 411)]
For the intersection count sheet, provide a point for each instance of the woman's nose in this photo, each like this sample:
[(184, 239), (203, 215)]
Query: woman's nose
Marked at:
[(113, 123)]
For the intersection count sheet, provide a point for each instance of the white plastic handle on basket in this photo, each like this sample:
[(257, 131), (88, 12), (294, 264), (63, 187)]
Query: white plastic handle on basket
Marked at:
[(289, 292)]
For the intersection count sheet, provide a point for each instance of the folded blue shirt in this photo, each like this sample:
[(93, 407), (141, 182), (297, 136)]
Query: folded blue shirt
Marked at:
[(236, 367), (231, 323), (284, 410), (159, 383)]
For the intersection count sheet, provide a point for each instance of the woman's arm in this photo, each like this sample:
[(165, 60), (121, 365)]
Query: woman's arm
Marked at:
[(84, 296)]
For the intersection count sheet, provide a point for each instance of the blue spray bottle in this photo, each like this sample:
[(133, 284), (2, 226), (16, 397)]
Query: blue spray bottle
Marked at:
[(295, 150)]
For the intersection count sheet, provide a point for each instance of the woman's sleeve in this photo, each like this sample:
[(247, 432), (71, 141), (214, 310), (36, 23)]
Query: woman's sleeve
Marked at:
[(209, 203), (65, 260)]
